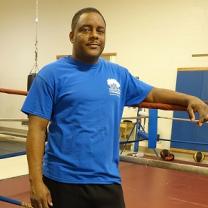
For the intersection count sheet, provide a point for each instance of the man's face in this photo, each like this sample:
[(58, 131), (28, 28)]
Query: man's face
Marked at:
[(88, 37)]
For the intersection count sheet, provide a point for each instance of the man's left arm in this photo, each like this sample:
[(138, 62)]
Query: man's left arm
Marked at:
[(193, 104)]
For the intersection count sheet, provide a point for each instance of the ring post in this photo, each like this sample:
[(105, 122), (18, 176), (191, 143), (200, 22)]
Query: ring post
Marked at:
[(152, 128)]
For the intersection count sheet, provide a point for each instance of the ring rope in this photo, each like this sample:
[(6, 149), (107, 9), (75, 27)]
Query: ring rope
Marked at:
[(15, 201), (14, 119), (163, 117), (160, 106), (12, 91)]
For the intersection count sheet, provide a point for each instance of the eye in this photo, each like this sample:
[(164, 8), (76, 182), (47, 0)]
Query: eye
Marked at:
[(101, 30), (85, 29)]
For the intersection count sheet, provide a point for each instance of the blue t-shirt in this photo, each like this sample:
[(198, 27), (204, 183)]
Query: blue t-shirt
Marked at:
[(84, 104)]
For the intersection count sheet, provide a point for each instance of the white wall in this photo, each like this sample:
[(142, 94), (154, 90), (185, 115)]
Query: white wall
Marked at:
[(151, 37)]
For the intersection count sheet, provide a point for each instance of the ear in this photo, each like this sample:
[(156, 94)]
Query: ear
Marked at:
[(71, 37)]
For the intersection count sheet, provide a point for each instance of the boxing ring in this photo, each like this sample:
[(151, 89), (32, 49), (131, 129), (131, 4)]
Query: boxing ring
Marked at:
[(143, 186), (145, 183)]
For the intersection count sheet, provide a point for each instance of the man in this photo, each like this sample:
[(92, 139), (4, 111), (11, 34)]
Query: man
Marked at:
[(83, 96)]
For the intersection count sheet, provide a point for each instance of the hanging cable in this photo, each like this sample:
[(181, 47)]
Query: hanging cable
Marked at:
[(35, 67), (36, 37)]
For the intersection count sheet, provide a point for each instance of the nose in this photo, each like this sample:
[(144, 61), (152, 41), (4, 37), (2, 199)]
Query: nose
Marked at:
[(94, 33)]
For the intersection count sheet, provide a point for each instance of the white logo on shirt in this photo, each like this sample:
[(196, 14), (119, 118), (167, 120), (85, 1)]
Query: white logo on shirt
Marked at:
[(114, 87)]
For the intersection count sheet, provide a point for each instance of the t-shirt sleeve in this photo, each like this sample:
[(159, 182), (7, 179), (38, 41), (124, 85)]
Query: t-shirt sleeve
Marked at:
[(136, 90), (39, 100)]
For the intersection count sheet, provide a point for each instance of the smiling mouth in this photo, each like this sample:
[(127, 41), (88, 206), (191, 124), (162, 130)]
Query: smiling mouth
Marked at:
[(93, 45)]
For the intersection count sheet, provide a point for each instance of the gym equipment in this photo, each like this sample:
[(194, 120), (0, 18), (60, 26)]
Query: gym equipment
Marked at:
[(30, 79), (198, 156), (166, 155)]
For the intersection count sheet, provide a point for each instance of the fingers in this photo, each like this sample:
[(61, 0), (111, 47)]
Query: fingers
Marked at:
[(191, 114), (199, 123), (201, 110), (40, 196), (36, 203), (203, 115), (45, 204), (202, 120), (49, 200), (42, 203)]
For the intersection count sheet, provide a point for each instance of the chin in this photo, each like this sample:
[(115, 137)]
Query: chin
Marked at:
[(93, 54), (88, 55), (96, 52)]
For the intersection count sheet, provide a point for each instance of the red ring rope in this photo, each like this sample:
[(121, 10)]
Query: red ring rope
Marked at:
[(161, 106), (14, 92)]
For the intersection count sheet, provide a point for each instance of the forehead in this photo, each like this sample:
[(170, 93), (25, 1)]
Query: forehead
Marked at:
[(91, 18)]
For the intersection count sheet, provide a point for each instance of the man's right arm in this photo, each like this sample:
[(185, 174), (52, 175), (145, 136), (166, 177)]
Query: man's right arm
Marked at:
[(35, 146)]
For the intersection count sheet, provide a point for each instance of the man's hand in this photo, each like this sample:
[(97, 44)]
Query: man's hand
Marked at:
[(40, 196), (192, 103), (196, 105)]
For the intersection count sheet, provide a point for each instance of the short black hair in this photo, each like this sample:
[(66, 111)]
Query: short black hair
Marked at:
[(77, 15)]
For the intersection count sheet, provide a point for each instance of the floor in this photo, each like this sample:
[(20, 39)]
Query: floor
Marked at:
[(147, 187), (144, 187), (15, 188)]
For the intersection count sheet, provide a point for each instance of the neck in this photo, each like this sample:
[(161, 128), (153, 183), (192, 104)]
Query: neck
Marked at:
[(85, 59)]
